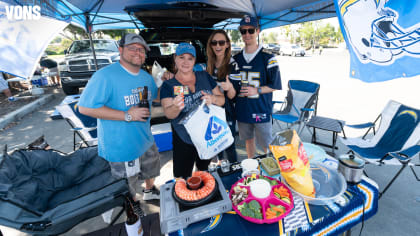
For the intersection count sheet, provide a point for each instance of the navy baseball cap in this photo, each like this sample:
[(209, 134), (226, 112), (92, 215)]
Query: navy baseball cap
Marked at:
[(248, 20), (185, 48)]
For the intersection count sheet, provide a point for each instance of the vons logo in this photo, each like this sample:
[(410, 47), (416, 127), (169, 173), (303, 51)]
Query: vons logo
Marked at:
[(23, 12), (216, 129)]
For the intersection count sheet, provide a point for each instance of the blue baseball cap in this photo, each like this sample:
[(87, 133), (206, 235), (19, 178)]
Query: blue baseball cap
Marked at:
[(248, 20), (185, 48)]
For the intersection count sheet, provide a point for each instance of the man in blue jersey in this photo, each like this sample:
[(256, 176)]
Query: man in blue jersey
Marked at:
[(124, 135), (260, 76)]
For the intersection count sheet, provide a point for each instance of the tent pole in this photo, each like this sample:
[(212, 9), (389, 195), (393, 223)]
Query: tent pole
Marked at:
[(89, 31)]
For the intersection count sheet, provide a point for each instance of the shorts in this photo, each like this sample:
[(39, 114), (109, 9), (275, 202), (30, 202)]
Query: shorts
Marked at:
[(3, 84), (149, 168), (53, 71), (262, 131)]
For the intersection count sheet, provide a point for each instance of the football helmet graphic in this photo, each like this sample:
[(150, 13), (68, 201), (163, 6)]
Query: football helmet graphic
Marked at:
[(374, 33)]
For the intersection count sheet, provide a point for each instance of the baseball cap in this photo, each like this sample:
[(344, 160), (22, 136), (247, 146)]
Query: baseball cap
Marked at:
[(248, 20), (185, 48), (133, 38)]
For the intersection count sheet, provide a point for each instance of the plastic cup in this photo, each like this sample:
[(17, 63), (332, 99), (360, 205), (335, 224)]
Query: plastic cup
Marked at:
[(224, 164), (194, 182)]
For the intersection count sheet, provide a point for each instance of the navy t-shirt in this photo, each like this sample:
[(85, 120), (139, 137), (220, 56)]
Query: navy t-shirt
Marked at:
[(262, 70), (204, 82)]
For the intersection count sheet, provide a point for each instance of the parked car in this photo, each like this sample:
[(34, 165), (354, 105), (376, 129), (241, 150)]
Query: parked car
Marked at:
[(235, 49), (292, 50), (78, 64), (271, 48)]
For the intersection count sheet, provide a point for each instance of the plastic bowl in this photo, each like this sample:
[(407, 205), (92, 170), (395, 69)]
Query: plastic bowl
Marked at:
[(329, 184), (194, 182), (260, 188)]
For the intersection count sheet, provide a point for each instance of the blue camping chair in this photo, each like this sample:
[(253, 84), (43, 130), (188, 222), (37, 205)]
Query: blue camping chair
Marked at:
[(395, 142), (82, 126), (300, 104)]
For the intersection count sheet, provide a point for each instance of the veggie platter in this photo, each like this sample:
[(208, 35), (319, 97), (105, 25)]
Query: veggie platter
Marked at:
[(267, 210)]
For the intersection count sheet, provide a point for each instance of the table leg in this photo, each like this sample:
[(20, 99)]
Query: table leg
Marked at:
[(334, 141)]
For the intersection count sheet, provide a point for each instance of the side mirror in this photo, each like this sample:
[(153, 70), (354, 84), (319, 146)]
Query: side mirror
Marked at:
[(65, 51)]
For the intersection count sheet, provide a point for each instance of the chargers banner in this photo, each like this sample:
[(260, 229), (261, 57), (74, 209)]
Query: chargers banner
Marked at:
[(383, 37), (24, 35)]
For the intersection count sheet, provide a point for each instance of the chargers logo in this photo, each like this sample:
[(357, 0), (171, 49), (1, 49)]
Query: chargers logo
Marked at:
[(216, 129)]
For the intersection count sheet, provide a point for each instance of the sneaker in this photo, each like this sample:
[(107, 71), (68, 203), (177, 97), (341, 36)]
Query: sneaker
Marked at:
[(151, 194)]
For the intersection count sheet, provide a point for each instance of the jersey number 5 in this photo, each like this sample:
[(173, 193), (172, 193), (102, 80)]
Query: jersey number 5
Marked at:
[(253, 80)]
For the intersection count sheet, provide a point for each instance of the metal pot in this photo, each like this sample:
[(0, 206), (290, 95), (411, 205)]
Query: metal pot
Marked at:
[(352, 168)]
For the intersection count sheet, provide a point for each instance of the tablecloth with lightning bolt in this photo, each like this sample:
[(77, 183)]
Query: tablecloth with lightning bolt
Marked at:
[(360, 203)]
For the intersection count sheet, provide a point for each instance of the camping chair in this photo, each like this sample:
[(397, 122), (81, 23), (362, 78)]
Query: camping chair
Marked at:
[(47, 192), (83, 126), (395, 142), (300, 104)]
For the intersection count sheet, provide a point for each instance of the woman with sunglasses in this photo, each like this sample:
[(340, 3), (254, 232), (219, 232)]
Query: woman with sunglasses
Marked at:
[(219, 66), (180, 95)]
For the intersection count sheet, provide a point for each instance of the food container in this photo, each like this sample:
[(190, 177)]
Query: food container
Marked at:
[(249, 167), (351, 167), (285, 201), (270, 166), (329, 185), (260, 188), (194, 182)]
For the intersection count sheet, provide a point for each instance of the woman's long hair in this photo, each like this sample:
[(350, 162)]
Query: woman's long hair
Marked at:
[(224, 69)]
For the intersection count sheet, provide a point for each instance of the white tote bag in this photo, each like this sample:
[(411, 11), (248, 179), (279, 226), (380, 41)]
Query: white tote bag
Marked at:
[(208, 130)]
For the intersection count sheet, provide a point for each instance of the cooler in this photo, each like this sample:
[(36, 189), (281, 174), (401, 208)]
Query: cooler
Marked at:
[(39, 80), (163, 136)]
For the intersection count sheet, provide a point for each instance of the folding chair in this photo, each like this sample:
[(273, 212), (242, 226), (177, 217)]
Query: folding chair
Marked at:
[(396, 141), (300, 104), (83, 126)]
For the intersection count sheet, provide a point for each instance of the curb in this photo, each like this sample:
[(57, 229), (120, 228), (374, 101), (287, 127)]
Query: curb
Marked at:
[(21, 112)]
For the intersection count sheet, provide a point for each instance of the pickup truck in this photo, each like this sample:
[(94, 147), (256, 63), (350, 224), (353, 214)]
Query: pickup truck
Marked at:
[(78, 64)]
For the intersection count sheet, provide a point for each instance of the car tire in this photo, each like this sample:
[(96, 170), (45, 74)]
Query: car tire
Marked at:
[(293, 54), (281, 54), (69, 90)]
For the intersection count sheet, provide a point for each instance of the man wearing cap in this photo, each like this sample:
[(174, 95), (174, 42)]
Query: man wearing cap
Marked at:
[(254, 101), (180, 95), (124, 136)]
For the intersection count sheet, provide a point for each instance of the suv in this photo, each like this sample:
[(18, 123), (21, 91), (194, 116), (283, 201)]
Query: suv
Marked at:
[(292, 50), (79, 65)]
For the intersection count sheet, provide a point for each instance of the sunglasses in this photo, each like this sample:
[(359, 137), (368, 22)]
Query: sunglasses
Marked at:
[(220, 42), (250, 31), (135, 49)]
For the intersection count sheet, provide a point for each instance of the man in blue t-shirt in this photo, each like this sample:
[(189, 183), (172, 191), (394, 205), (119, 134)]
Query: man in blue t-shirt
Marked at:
[(124, 135), (260, 72)]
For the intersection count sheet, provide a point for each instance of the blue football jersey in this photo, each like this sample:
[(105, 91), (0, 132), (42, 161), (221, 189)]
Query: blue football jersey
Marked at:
[(262, 70)]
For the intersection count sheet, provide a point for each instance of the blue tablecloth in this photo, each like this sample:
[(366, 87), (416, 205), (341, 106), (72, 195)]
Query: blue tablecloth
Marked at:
[(332, 219)]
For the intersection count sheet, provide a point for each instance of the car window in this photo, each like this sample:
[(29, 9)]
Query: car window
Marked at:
[(100, 45)]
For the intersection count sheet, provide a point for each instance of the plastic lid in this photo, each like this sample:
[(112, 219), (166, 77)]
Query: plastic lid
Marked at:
[(352, 161)]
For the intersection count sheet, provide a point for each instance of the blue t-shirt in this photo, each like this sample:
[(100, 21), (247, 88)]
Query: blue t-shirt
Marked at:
[(204, 82), (262, 70), (114, 87)]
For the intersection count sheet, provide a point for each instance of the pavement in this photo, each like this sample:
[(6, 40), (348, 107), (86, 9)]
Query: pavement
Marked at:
[(340, 98)]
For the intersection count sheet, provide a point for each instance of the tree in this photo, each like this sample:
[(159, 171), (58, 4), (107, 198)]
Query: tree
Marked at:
[(272, 37), (77, 32), (235, 36)]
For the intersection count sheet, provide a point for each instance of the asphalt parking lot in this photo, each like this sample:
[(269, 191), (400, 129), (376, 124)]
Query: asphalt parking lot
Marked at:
[(340, 97)]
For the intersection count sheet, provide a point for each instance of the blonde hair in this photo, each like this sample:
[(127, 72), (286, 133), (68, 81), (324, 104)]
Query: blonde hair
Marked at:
[(224, 69)]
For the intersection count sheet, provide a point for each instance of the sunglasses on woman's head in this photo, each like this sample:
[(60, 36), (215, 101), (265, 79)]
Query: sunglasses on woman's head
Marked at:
[(250, 31), (220, 42)]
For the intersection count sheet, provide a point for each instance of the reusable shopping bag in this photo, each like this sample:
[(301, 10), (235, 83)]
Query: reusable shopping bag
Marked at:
[(208, 129)]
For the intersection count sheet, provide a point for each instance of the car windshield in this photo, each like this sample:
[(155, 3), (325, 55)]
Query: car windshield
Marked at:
[(100, 45)]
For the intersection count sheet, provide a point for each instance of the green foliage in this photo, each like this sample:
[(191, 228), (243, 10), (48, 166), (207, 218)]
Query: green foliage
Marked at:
[(235, 36)]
